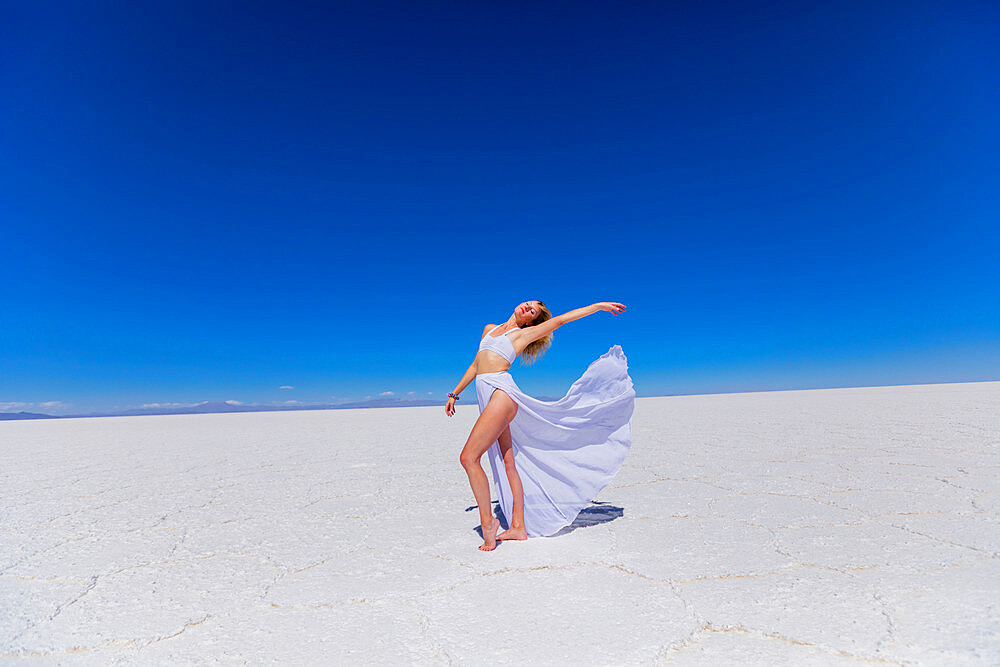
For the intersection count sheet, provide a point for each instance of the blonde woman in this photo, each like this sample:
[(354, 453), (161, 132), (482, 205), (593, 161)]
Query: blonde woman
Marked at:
[(549, 459)]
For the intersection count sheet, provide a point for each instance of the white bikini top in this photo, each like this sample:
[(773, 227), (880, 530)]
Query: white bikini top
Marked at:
[(499, 344)]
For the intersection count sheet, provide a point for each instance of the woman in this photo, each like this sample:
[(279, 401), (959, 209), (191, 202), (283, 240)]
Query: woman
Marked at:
[(549, 459)]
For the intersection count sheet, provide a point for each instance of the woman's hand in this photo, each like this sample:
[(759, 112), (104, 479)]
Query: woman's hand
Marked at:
[(612, 307), (449, 407)]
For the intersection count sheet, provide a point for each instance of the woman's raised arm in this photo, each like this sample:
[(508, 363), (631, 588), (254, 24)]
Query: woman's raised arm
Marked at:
[(531, 334)]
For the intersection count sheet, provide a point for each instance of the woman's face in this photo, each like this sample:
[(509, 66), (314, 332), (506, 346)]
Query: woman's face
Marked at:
[(526, 312)]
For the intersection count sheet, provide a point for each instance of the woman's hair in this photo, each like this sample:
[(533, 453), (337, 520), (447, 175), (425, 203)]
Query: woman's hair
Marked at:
[(535, 350)]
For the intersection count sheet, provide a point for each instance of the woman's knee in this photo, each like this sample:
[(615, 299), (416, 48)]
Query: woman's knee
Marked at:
[(508, 458), (468, 459)]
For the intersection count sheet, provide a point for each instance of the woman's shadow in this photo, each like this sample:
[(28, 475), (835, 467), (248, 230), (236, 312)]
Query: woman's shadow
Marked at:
[(594, 514)]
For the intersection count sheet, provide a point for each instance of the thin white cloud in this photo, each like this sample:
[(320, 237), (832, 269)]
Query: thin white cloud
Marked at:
[(28, 406), (292, 402), (286, 386), (167, 405), (410, 393), (387, 393), (235, 402)]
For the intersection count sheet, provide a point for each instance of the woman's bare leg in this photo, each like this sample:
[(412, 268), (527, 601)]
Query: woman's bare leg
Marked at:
[(491, 423), (516, 530)]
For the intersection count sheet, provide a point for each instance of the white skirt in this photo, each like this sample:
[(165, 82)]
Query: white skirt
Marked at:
[(565, 451)]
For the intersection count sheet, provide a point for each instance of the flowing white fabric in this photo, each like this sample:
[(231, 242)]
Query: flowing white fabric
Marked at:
[(565, 451)]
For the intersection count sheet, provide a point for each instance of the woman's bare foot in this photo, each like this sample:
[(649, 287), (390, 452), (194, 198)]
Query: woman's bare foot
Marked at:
[(513, 534), (490, 536)]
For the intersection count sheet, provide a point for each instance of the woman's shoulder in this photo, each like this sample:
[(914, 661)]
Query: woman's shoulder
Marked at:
[(487, 329)]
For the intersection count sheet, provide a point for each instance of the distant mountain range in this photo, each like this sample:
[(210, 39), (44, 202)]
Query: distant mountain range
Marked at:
[(211, 407), (23, 415)]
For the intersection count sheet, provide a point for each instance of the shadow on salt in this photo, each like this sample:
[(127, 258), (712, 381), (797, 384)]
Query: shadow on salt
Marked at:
[(594, 514)]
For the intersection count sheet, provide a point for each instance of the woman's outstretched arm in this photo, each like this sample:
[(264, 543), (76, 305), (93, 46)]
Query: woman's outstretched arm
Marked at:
[(531, 334)]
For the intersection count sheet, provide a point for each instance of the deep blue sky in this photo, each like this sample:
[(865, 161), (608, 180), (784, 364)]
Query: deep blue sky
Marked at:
[(208, 201)]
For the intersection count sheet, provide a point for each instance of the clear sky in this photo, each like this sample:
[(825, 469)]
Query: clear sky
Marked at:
[(211, 201)]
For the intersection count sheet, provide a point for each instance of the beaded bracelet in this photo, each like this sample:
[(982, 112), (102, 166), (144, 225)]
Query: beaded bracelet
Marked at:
[(451, 395)]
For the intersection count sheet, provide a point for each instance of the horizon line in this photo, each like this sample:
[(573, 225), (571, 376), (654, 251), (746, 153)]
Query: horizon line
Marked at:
[(402, 403)]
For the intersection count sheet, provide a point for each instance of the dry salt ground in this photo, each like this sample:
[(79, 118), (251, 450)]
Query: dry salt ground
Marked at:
[(824, 527)]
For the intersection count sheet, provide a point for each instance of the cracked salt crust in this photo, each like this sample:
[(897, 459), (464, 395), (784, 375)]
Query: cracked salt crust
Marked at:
[(818, 527), (737, 646)]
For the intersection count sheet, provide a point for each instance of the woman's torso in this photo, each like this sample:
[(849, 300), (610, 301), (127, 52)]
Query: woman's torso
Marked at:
[(496, 351)]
